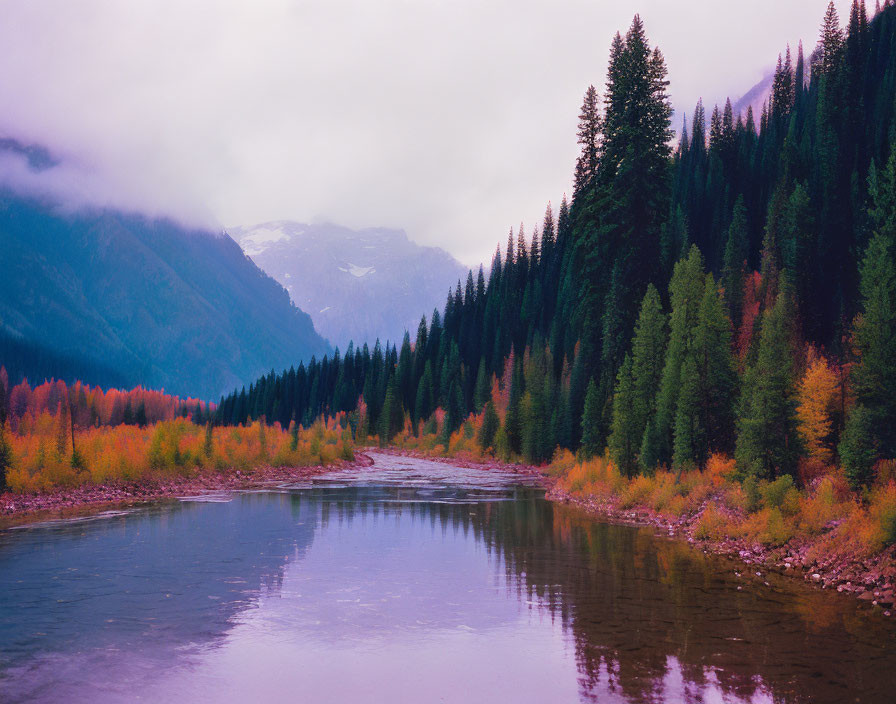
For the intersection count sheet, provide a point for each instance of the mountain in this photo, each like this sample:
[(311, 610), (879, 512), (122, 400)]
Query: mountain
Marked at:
[(356, 284), (755, 98), (137, 300)]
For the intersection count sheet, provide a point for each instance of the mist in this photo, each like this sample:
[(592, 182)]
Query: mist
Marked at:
[(452, 120)]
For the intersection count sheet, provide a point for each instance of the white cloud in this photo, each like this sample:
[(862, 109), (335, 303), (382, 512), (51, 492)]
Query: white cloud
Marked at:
[(452, 119)]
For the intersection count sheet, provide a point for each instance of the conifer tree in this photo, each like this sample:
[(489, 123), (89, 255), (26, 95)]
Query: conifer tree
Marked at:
[(686, 290), (591, 417), (489, 428), (874, 374), (768, 441), (625, 438), (589, 133), (735, 262)]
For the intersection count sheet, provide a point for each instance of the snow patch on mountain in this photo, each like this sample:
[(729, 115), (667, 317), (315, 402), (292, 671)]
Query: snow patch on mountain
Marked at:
[(358, 271), (261, 238), (330, 269)]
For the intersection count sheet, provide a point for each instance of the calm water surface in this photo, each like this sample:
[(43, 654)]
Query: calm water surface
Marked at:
[(410, 581)]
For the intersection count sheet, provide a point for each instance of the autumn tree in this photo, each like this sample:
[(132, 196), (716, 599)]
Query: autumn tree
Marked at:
[(816, 396)]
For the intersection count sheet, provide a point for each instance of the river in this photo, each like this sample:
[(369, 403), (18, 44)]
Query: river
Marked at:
[(410, 581)]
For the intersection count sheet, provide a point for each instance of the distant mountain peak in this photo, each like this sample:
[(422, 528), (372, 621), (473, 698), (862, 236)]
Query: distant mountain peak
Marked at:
[(364, 284)]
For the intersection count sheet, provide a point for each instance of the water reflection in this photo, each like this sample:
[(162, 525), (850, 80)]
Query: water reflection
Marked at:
[(446, 588)]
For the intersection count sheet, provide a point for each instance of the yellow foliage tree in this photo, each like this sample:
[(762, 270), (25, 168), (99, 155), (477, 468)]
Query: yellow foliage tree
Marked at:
[(817, 395)]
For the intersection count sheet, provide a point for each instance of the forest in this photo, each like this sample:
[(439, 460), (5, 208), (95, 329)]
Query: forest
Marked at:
[(726, 299), (733, 294)]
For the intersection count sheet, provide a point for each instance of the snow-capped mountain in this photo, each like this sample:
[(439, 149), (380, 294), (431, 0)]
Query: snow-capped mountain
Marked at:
[(356, 285)]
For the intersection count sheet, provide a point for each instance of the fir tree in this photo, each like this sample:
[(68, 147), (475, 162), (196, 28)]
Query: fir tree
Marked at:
[(735, 262), (768, 442), (591, 417), (489, 428), (625, 436), (686, 290), (589, 133), (874, 374)]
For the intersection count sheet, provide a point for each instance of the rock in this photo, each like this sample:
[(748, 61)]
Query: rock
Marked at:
[(816, 577), (866, 596)]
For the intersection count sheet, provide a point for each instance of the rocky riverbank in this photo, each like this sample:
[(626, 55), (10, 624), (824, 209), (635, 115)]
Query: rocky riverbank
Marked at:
[(869, 578), (65, 502)]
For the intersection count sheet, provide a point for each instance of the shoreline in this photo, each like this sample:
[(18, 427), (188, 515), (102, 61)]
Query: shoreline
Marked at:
[(870, 579), (19, 509)]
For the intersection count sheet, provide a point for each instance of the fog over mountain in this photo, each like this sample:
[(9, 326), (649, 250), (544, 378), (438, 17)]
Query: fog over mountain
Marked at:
[(356, 285), (453, 120), (123, 299)]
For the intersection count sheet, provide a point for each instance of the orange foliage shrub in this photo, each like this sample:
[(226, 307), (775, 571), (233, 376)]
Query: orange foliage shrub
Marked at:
[(168, 448)]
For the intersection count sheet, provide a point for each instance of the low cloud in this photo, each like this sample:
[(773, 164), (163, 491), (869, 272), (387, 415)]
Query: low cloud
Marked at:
[(452, 120)]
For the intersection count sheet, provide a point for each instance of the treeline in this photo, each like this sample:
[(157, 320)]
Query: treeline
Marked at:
[(24, 359), (687, 301), (91, 406)]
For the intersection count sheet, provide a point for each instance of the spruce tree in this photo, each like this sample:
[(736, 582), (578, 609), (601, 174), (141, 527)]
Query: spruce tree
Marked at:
[(591, 417), (768, 441), (874, 374), (625, 435), (589, 133), (735, 262), (489, 428), (686, 291)]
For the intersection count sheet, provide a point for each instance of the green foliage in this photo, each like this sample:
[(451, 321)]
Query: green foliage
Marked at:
[(590, 419), (774, 492), (559, 312), (686, 291), (207, 446), (858, 449), (874, 375), (489, 428), (735, 261), (625, 435), (752, 494), (293, 436), (768, 442)]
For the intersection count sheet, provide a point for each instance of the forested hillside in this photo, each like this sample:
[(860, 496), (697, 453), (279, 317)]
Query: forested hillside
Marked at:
[(731, 292), (122, 300)]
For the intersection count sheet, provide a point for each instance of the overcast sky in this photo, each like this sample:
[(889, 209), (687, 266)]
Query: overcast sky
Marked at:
[(452, 119)]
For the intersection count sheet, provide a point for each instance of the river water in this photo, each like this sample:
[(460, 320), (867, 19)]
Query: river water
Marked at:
[(410, 581)]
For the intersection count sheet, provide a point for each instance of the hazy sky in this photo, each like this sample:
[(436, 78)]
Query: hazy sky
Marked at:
[(453, 119)]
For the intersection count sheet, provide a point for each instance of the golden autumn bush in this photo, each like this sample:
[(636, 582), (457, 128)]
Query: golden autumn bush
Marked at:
[(42, 458), (755, 511)]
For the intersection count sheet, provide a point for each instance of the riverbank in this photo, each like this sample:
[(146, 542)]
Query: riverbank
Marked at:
[(18, 508), (702, 514), (869, 578)]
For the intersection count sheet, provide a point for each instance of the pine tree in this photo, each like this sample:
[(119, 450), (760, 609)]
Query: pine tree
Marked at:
[(591, 417), (686, 291), (735, 261), (874, 374), (482, 391), (768, 442), (831, 42), (489, 428), (625, 436), (207, 446), (589, 133)]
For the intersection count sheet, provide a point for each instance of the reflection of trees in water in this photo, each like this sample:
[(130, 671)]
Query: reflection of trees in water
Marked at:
[(644, 611), (637, 605), (637, 609), (172, 575)]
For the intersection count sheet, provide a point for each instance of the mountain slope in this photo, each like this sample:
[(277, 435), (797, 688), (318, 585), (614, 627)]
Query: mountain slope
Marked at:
[(157, 304), (356, 285)]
